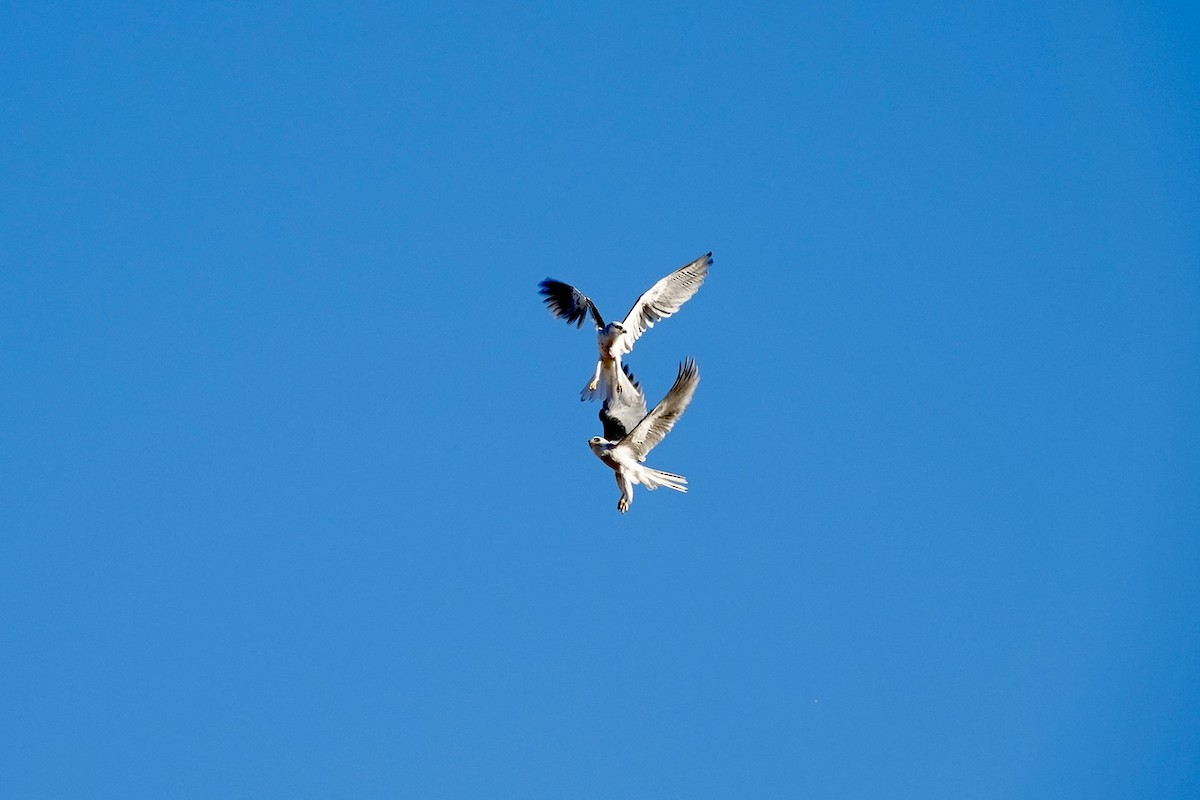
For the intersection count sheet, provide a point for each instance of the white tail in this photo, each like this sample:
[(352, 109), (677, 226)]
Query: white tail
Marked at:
[(654, 478)]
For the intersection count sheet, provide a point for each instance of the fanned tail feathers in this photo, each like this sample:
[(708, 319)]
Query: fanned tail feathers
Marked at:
[(654, 478)]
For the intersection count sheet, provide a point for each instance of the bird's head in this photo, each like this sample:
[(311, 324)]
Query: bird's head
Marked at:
[(599, 444)]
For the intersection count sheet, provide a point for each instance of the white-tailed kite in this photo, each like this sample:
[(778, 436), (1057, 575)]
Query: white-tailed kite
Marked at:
[(625, 454), (616, 338)]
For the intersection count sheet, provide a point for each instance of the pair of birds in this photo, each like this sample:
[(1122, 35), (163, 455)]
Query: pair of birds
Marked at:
[(630, 433)]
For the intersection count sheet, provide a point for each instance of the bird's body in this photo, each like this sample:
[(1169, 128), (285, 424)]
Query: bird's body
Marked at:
[(630, 433), (629, 473), (616, 339), (609, 379)]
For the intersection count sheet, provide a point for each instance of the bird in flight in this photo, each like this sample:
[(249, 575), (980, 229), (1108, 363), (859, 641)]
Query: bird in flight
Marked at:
[(616, 338), (630, 433)]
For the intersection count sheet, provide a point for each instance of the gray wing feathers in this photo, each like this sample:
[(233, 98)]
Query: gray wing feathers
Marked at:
[(666, 297), (651, 430), (621, 412), (567, 302)]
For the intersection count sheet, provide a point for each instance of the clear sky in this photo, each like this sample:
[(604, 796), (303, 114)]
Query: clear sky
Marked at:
[(295, 495)]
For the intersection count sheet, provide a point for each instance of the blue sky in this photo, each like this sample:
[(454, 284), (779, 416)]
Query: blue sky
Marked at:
[(295, 495)]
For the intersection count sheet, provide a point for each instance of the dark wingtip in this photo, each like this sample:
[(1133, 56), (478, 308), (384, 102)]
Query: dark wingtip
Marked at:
[(558, 297), (629, 374)]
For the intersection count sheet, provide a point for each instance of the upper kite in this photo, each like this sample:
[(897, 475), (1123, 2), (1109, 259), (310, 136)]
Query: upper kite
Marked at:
[(616, 338)]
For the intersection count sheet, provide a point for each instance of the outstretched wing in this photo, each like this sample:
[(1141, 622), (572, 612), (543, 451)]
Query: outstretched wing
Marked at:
[(567, 302), (621, 412), (665, 297), (651, 430)]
